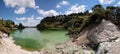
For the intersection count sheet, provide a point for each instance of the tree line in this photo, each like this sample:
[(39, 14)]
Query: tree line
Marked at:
[(7, 25)]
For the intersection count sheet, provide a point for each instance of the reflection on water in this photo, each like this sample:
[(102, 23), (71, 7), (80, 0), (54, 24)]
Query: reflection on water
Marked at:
[(25, 43), (32, 39)]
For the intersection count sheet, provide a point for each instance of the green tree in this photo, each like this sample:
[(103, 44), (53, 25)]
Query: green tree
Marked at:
[(9, 23), (97, 15), (113, 14), (20, 26)]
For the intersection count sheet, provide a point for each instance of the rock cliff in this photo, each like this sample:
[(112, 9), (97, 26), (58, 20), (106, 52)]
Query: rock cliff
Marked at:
[(107, 36)]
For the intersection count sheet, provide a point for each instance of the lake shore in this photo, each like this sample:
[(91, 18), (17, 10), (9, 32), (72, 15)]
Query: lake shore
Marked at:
[(67, 48), (7, 46)]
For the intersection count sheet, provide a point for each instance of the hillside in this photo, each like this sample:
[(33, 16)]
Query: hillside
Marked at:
[(76, 23), (6, 25)]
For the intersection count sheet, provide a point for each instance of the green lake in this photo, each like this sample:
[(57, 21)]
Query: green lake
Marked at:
[(32, 39)]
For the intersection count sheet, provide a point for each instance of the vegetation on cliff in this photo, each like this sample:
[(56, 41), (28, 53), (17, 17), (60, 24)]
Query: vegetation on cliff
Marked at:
[(77, 22), (6, 25)]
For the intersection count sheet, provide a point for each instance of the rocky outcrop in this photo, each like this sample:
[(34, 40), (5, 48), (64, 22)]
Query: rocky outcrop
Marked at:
[(67, 48), (2, 35), (109, 47), (106, 35), (104, 32)]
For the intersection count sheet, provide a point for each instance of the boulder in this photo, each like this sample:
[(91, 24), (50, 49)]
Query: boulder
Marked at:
[(104, 32), (107, 37), (109, 48), (2, 35)]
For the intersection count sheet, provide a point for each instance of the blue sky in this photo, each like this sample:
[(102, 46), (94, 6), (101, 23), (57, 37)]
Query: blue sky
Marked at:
[(30, 12)]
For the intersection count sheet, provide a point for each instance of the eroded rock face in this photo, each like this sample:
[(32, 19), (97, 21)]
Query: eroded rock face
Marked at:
[(109, 47), (107, 37), (104, 32), (3, 34)]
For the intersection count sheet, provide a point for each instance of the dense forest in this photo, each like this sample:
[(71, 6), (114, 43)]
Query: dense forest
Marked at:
[(77, 22)]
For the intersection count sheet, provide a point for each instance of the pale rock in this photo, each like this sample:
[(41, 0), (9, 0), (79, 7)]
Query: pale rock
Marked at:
[(104, 32), (107, 36)]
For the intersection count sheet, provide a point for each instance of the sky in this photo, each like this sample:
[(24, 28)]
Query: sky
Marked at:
[(31, 12)]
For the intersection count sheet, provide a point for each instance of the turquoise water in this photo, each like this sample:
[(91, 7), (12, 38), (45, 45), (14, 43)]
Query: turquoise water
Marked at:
[(32, 39)]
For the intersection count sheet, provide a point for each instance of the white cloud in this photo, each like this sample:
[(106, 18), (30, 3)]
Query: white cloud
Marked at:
[(20, 11), (39, 18), (23, 18), (118, 4), (106, 1), (58, 6), (20, 5), (62, 4), (29, 21), (36, 7), (90, 11), (76, 9), (47, 13)]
